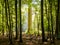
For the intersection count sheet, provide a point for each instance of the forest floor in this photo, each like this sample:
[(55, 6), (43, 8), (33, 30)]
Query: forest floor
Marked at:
[(27, 40)]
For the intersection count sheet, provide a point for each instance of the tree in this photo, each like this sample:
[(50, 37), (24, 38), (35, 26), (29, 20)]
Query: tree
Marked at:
[(20, 21), (51, 20), (16, 18), (42, 24), (57, 14), (2, 18), (9, 26), (6, 14), (29, 16), (58, 21)]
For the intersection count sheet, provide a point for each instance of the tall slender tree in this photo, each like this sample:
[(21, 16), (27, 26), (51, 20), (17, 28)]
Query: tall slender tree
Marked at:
[(29, 16), (20, 21), (58, 31), (57, 14), (2, 18), (6, 14), (16, 18), (42, 24), (51, 19), (9, 26), (48, 18)]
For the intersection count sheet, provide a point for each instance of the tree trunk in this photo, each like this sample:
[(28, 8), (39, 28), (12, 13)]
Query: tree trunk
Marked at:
[(16, 18), (57, 14), (42, 24), (10, 30), (58, 20), (29, 19), (20, 21), (6, 14), (48, 18), (3, 19), (52, 36)]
